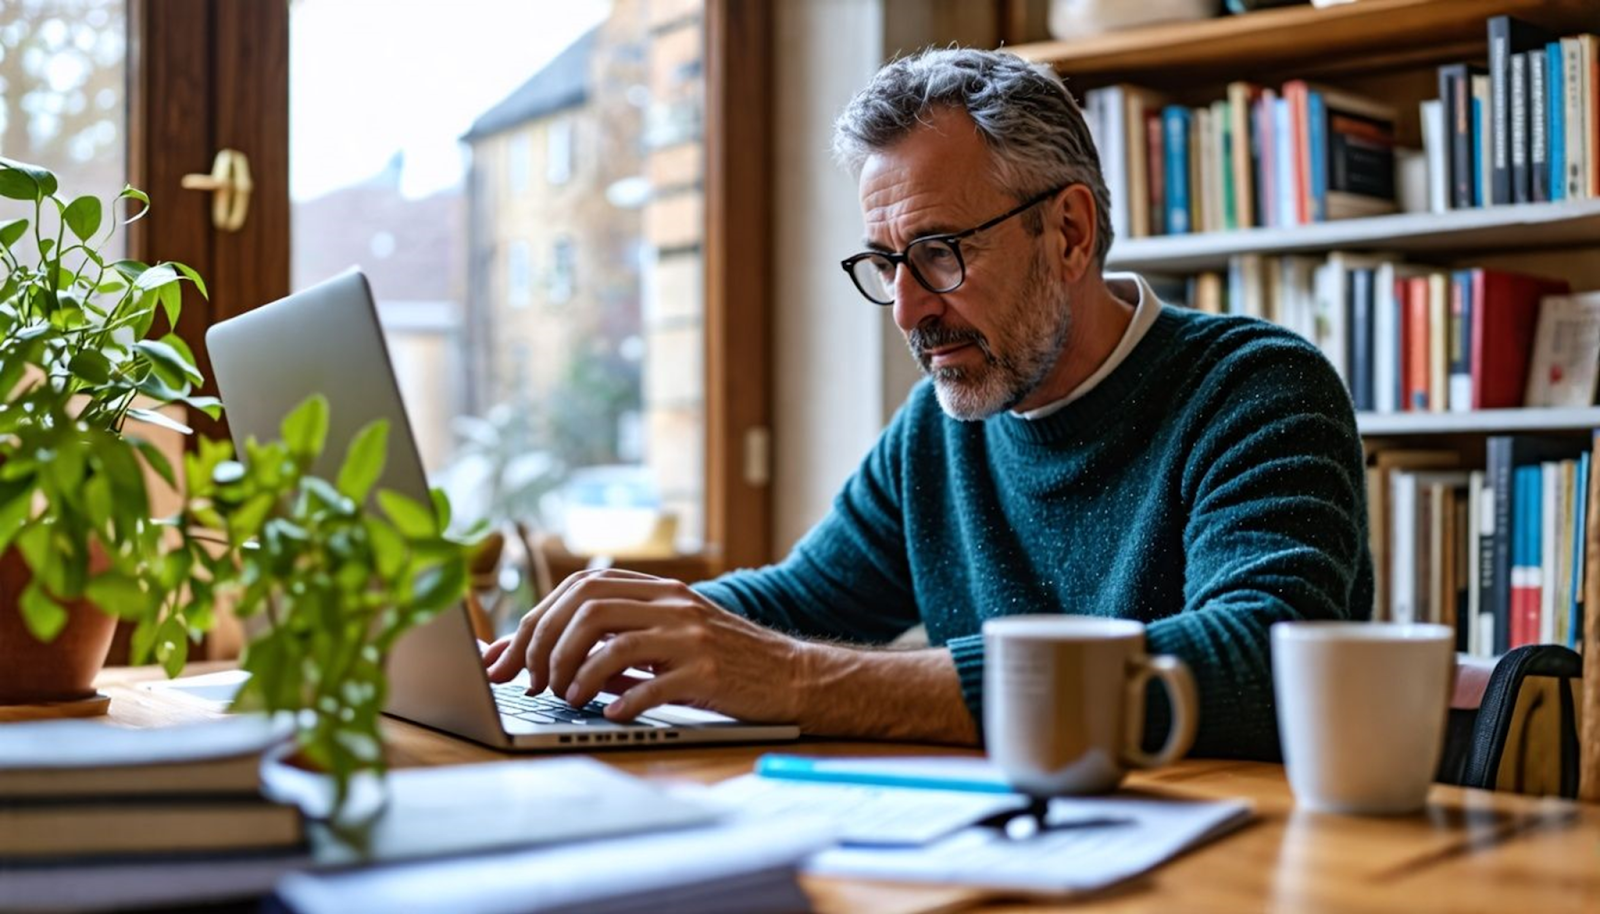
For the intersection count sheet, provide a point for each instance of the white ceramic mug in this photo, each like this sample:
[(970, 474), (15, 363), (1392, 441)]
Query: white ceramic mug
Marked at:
[(1064, 697), (1361, 711)]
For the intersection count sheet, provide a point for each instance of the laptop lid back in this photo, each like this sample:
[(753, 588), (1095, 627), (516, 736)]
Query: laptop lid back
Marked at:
[(327, 340)]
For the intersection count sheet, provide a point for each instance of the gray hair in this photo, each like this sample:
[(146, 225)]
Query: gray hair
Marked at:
[(1023, 111)]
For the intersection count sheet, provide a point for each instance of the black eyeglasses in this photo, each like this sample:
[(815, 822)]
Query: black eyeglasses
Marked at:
[(935, 260)]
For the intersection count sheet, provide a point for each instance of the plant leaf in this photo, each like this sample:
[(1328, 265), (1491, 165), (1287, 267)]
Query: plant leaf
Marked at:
[(388, 547), (408, 516), (82, 216), (129, 192), (16, 184), (41, 177), (305, 430), (91, 365), (171, 360), (193, 277), (11, 230), (211, 406), (154, 278), (441, 507), (44, 617), (157, 460), (161, 419), (441, 586), (364, 461), (118, 594)]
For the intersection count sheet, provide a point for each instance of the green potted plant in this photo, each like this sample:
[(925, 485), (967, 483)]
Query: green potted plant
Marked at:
[(338, 577), (80, 369)]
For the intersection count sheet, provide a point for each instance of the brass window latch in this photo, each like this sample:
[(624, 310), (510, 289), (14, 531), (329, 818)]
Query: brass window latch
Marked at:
[(230, 187)]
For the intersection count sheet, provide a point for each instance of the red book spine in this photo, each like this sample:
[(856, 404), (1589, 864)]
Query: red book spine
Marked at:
[(1402, 297), (1416, 342), (1300, 142), (1156, 163)]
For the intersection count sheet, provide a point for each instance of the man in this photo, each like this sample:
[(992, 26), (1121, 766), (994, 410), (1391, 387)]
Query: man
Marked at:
[(1078, 448)]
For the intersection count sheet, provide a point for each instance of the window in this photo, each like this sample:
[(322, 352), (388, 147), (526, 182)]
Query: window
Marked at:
[(519, 290), (519, 152), (594, 385), (562, 266), (62, 99), (558, 151)]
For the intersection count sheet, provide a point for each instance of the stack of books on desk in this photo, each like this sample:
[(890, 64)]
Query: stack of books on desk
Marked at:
[(92, 815)]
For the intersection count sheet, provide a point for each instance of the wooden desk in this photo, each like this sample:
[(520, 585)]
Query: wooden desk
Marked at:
[(1470, 851)]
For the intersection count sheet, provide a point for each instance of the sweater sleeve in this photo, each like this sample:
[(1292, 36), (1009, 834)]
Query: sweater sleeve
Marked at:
[(848, 578), (1276, 531)]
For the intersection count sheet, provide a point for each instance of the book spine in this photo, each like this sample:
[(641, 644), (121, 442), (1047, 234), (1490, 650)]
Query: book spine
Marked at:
[(1222, 122), (1476, 532), (1460, 342), (1517, 121), (1438, 342), (1286, 187), (1538, 128), (1199, 217), (1138, 163), (1500, 110), (1572, 92), (1456, 93), (1317, 141), (1436, 153), (1521, 576), (1589, 51), (1417, 345), (1580, 523), (1385, 341), (1499, 472), (1176, 153), (1267, 173), (1359, 282), (1243, 151), (1482, 140), (1549, 527), (1156, 154), (1555, 120)]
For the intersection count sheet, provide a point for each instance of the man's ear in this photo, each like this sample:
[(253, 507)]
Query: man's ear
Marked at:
[(1077, 217)]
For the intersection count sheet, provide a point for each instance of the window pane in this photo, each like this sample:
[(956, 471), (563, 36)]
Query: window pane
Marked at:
[(62, 103), (547, 332)]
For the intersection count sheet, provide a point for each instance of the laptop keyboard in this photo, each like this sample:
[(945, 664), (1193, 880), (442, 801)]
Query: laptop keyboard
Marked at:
[(513, 700)]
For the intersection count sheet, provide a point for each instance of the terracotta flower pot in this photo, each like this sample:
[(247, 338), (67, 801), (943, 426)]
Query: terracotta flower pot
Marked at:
[(64, 669)]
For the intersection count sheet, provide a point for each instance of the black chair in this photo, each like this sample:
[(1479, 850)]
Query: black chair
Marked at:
[(1523, 736)]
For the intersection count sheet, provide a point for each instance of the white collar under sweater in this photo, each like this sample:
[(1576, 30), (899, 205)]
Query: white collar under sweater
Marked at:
[(1126, 286)]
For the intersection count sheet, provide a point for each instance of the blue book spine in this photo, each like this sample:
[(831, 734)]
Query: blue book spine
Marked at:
[(1555, 121), (1480, 194), (1317, 138), (1580, 516), (1175, 121)]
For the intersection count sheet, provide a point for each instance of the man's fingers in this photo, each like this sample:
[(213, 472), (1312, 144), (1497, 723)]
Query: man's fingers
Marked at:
[(492, 652), (595, 620), (511, 659), (605, 670), (548, 628), (672, 687)]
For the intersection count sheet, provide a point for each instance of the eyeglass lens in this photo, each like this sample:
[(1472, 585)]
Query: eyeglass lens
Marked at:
[(935, 262)]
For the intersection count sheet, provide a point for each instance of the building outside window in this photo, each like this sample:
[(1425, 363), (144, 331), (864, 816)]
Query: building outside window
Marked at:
[(519, 156), (558, 151), (519, 285), (563, 264)]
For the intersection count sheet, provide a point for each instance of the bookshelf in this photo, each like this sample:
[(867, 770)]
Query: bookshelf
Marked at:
[(1388, 50), (1482, 422), (1456, 234)]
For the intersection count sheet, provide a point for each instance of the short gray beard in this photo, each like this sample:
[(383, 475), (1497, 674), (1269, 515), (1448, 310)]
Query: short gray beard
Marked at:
[(1025, 352)]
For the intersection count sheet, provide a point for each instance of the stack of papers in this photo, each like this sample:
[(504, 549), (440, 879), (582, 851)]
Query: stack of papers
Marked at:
[(958, 830)]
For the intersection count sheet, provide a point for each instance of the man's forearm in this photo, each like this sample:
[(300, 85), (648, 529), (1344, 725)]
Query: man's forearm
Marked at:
[(883, 694)]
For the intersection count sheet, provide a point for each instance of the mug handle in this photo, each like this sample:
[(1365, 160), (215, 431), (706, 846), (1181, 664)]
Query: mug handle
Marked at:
[(1181, 695)]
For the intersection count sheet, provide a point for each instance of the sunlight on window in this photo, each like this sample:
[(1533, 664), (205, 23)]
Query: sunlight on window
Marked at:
[(553, 355)]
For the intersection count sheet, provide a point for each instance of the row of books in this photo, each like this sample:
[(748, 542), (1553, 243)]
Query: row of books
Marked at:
[(1524, 129), (1413, 338), (1497, 553), (1259, 157)]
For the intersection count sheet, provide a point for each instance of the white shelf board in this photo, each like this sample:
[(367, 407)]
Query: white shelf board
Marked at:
[(1486, 421), (1498, 228)]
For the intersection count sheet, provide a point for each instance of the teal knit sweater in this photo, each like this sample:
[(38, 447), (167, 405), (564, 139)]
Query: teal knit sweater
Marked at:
[(1210, 486)]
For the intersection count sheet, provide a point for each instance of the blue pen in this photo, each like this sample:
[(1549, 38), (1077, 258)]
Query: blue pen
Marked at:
[(925, 774)]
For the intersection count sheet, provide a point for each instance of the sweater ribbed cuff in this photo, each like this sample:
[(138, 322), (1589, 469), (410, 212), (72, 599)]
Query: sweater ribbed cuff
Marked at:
[(967, 652)]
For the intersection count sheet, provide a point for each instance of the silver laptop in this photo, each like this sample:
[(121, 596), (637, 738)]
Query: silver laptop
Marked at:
[(327, 339)]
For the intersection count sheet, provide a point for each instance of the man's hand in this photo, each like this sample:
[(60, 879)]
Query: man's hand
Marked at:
[(701, 655)]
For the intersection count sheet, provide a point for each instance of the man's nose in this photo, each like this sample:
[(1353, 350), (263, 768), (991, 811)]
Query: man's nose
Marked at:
[(912, 303)]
